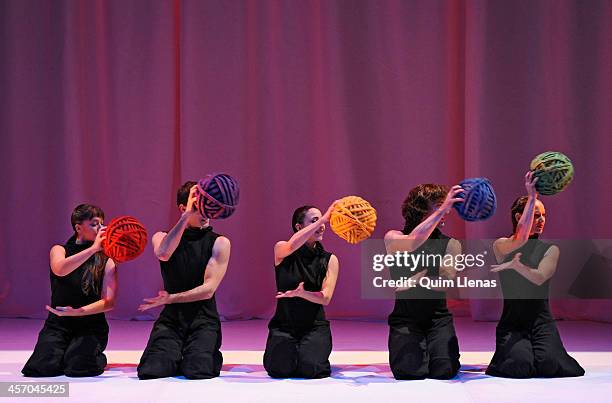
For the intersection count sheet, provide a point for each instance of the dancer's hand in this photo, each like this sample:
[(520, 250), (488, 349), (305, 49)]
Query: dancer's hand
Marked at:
[(162, 298), (451, 197), (513, 264), (325, 217), (192, 201), (64, 310), (100, 236), (298, 292), (530, 182), (413, 281)]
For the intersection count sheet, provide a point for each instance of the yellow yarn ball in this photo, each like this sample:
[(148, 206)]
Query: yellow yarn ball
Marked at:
[(353, 219)]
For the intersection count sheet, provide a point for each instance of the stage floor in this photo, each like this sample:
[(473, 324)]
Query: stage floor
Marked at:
[(360, 371)]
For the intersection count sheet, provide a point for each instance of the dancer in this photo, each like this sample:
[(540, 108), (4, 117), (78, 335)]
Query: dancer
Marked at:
[(83, 287), (527, 341), (422, 340), (186, 338), (299, 339)]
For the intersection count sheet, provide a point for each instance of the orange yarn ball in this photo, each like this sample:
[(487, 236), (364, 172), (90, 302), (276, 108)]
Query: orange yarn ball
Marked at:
[(353, 219), (125, 239)]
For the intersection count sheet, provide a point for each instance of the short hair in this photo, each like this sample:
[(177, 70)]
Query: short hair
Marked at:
[(84, 212), (182, 194), (418, 202), (298, 216)]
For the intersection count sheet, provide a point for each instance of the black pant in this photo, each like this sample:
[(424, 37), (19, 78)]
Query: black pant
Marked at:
[(419, 350), (180, 345), (298, 354), (531, 352), (69, 346)]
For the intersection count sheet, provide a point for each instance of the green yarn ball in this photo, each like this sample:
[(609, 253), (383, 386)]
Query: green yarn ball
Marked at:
[(554, 172)]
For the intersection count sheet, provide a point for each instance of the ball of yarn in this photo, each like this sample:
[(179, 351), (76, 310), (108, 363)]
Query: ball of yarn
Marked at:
[(125, 239), (218, 196), (554, 172), (479, 200), (353, 219)]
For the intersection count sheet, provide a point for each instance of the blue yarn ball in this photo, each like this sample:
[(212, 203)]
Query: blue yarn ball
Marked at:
[(479, 199)]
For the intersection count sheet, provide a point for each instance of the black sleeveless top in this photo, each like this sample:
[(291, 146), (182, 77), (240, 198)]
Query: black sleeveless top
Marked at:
[(308, 265), (419, 303), (78, 288), (186, 267), (525, 303)]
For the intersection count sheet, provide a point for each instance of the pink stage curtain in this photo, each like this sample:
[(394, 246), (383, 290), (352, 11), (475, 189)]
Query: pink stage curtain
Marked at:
[(118, 102)]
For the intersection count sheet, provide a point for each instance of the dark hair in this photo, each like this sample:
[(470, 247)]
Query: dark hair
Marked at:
[(517, 207), (182, 194), (418, 202), (92, 277), (84, 212), (298, 216)]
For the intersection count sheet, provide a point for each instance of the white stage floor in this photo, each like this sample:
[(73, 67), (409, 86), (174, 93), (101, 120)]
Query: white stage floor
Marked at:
[(358, 375)]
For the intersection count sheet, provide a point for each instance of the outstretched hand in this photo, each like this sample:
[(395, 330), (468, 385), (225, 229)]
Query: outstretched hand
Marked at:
[(298, 292), (413, 281), (63, 310), (162, 298), (513, 264)]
